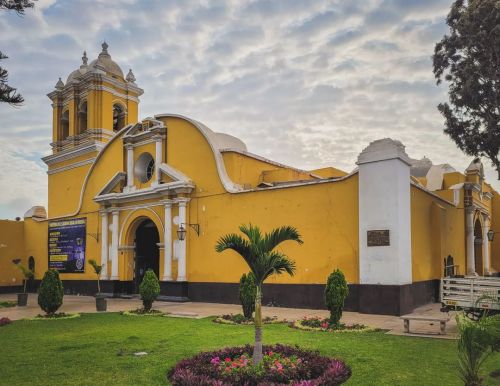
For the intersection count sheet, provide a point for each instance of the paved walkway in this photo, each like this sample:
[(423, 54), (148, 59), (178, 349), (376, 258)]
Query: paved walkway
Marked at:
[(393, 324)]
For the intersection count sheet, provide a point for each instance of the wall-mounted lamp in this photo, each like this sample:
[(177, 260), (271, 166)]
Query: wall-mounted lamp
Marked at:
[(181, 232), (491, 234)]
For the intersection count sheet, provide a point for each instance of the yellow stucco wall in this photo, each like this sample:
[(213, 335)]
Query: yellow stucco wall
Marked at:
[(437, 230), (495, 226), (325, 214), (11, 247)]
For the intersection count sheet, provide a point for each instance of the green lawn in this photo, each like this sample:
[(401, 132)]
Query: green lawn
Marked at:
[(97, 349)]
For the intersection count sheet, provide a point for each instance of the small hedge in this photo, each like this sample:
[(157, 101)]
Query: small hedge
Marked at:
[(336, 291), (247, 293), (51, 292), (282, 365), (149, 289)]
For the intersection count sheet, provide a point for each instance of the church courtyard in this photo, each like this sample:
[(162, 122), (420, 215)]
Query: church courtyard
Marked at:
[(102, 348)]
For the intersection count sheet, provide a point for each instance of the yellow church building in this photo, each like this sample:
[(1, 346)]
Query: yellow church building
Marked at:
[(158, 193)]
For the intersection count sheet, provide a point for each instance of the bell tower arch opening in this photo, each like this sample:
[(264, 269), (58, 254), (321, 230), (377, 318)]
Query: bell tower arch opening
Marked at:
[(82, 117), (119, 116), (147, 252)]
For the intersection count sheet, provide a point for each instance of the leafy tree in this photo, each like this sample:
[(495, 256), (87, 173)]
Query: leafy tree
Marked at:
[(97, 270), (469, 60), (336, 291), (247, 294), (51, 292), (149, 289), (9, 94), (258, 252), (27, 273)]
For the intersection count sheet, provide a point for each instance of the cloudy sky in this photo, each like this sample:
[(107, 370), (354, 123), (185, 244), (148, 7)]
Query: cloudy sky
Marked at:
[(307, 83)]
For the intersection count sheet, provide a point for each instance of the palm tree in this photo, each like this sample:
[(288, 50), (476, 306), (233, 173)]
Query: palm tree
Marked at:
[(258, 252)]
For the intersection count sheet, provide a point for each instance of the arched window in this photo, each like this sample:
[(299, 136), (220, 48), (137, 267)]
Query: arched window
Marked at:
[(119, 115), (64, 125), (82, 117)]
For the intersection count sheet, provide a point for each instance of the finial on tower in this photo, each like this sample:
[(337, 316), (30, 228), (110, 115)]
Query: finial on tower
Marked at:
[(104, 53), (130, 76), (59, 84), (84, 58)]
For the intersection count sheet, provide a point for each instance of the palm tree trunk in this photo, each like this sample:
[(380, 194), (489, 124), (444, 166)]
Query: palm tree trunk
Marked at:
[(257, 350), (98, 286)]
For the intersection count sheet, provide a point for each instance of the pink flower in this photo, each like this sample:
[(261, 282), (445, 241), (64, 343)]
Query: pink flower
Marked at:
[(227, 359)]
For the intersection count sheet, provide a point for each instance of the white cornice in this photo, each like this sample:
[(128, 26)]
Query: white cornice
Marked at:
[(229, 185), (72, 166), (72, 153), (156, 191)]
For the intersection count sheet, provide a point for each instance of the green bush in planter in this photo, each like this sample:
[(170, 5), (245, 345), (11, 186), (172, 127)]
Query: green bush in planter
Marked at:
[(247, 293), (336, 291), (149, 289), (51, 292)]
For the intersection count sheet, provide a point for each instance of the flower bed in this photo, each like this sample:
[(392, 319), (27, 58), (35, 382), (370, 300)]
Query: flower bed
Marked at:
[(281, 365), (240, 319), (7, 304), (4, 321), (316, 323), (142, 312), (58, 316)]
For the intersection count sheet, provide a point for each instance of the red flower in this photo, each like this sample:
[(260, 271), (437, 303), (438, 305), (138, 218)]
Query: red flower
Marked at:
[(227, 360)]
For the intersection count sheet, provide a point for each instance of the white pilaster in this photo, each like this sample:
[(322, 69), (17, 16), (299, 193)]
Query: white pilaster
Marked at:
[(486, 249), (181, 270), (130, 167), (104, 245), (469, 229), (158, 156), (167, 238), (114, 246), (384, 204)]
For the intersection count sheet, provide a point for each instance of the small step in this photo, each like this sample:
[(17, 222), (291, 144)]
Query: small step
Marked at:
[(176, 299), (183, 314)]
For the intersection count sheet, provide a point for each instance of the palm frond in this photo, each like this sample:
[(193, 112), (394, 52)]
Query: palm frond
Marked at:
[(276, 263), (272, 239), (239, 245), (252, 232)]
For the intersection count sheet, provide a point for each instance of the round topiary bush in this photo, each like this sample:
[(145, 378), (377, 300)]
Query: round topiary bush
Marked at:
[(248, 291), (149, 289), (281, 365), (336, 291), (51, 292)]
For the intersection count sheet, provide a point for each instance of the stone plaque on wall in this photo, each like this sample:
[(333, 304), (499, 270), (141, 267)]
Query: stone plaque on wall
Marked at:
[(378, 238)]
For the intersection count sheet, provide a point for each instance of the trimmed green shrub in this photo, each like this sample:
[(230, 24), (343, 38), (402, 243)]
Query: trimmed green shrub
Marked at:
[(336, 291), (248, 291), (51, 292), (149, 289)]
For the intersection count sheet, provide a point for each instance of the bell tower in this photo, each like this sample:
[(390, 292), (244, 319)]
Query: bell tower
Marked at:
[(95, 103)]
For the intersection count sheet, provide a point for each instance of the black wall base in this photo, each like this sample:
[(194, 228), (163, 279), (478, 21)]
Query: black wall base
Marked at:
[(364, 298), (11, 289), (368, 299)]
